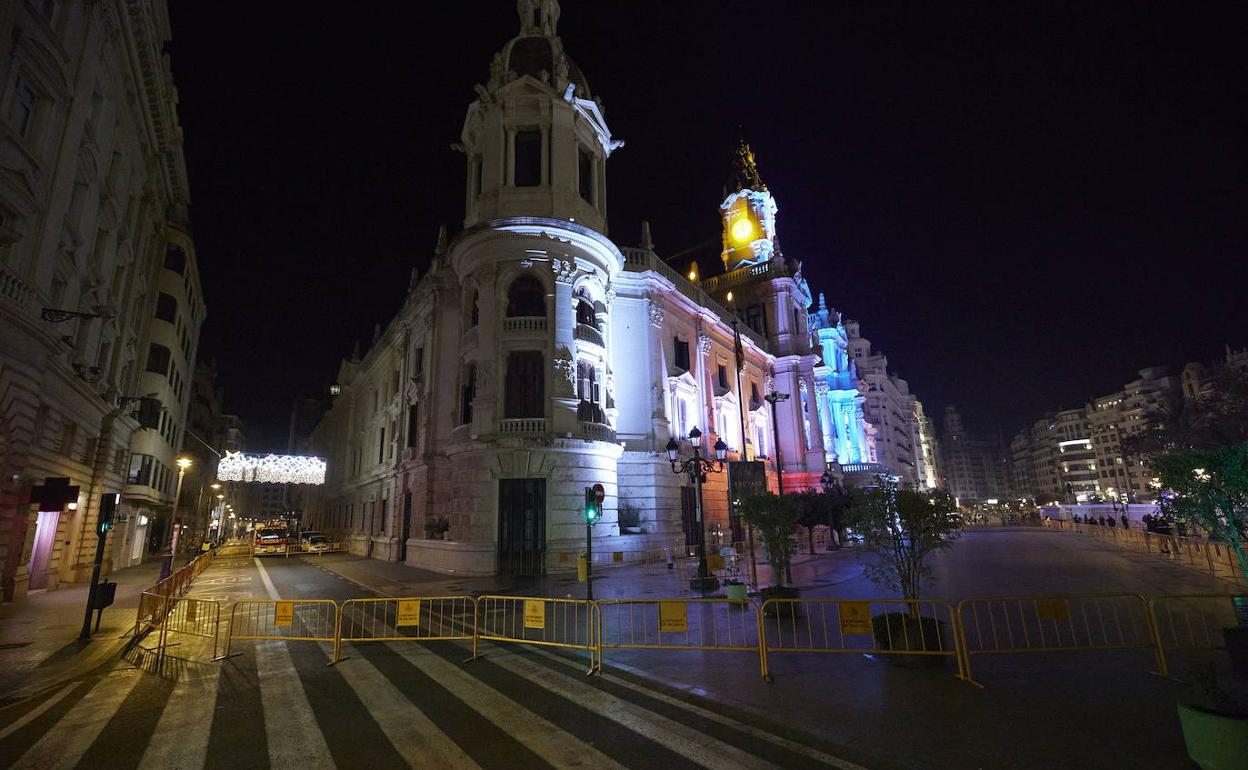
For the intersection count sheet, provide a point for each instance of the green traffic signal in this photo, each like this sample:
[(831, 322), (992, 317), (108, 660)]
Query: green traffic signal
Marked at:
[(108, 509), (592, 510)]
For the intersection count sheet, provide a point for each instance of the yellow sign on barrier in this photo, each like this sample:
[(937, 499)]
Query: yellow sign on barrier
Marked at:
[(617, 557), (673, 617), (1052, 609), (409, 613), (855, 618), (535, 613), (283, 613), (715, 562)]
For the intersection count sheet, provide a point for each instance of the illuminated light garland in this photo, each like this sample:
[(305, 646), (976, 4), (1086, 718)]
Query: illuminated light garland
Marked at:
[(271, 469)]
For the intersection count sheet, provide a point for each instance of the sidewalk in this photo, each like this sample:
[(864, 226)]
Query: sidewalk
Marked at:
[(39, 644), (632, 581)]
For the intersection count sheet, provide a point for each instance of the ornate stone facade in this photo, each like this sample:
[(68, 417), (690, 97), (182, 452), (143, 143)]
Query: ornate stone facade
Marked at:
[(99, 286), (594, 361)]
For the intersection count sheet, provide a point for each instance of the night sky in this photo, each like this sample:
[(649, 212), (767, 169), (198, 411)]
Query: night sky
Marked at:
[(1022, 204)]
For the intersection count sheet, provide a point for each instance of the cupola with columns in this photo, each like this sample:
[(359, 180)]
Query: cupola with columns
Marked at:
[(748, 214), (535, 139)]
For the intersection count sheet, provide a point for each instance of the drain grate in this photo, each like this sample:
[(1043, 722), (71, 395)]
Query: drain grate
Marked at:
[(14, 645)]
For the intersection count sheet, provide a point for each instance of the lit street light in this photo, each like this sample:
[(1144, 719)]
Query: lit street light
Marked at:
[(167, 568), (697, 467)]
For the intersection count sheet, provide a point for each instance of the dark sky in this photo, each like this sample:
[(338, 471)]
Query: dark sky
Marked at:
[(1022, 203)]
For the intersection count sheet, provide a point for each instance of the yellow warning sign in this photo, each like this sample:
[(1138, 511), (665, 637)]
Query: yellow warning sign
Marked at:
[(673, 617), (855, 618), (617, 556), (1052, 609), (563, 557), (535, 613), (284, 614), (715, 562), (409, 613)]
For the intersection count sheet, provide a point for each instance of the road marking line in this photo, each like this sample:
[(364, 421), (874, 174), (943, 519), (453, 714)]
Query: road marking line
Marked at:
[(268, 584), (553, 744), (38, 711), (680, 738), (181, 735), (73, 734), (410, 731), (294, 735), (707, 714)]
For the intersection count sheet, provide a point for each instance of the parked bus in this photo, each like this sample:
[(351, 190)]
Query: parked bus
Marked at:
[(271, 539)]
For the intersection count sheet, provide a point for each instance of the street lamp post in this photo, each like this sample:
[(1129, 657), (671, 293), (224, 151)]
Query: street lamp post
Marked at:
[(697, 467), (773, 398), (183, 464)]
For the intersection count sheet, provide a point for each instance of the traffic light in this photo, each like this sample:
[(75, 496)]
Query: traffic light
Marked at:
[(108, 509), (593, 511)]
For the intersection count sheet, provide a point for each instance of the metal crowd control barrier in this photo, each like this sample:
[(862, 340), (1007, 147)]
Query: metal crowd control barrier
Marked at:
[(307, 620), (568, 623), (1194, 622), (1073, 622), (668, 624), (150, 616), (422, 619), (194, 617), (914, 627)]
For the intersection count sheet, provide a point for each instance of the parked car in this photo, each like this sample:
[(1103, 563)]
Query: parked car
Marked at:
[(317, 544)]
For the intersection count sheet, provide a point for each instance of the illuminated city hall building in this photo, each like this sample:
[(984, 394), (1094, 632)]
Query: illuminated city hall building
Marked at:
[(537, 357)]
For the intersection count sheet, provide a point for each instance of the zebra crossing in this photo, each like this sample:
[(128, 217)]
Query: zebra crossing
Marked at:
[(280, 705)]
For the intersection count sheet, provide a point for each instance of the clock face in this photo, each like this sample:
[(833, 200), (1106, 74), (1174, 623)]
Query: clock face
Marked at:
[(742, 230)]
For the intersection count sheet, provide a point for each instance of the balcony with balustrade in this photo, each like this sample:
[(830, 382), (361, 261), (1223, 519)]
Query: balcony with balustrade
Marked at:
[(587, 333), (525, 324)]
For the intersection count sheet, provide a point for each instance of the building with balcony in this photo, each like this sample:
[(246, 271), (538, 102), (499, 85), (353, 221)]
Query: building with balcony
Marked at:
[(536, 357), (100, 303)]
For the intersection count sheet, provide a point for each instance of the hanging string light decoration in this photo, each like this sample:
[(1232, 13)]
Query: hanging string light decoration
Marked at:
[(271, 469)]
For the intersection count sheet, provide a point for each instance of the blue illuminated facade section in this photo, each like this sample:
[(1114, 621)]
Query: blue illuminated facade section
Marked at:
[(837, 385)]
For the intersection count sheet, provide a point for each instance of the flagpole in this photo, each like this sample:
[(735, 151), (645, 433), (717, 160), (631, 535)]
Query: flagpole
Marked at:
[(739, 356)]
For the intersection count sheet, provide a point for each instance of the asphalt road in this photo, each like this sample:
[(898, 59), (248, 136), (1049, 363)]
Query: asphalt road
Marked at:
[(279, 704)]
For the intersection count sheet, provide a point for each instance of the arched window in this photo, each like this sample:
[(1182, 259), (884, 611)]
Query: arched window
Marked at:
[(526, 298), (585, 310), (467, 392)]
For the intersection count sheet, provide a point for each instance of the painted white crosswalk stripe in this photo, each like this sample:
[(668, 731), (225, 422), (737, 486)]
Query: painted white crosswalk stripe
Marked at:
[(73, 734), (39, 710), (751, 730), (682, 739), (181, 736), (417, 739), (545, 739), (297, 741)]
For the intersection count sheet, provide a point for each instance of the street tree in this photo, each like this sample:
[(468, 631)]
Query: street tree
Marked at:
[(811, 513), (775, 517), (903, 528), (1209, 488)]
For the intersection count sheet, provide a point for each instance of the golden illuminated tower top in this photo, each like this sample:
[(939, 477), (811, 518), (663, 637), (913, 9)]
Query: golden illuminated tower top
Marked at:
[(748, 214)]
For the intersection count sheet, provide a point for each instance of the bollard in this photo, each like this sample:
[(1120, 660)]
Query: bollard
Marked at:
[(668, 552)]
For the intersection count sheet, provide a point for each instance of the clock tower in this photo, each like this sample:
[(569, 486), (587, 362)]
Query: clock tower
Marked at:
[(749, 216)]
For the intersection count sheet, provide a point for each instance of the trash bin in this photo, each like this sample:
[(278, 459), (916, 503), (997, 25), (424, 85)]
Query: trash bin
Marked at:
[(105, 594)]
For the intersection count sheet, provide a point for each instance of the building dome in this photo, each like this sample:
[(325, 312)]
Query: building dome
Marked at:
[(534, 54)]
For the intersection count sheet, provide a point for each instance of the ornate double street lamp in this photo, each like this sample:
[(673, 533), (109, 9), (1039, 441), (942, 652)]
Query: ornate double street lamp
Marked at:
[(697, 467), (773, 398)]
